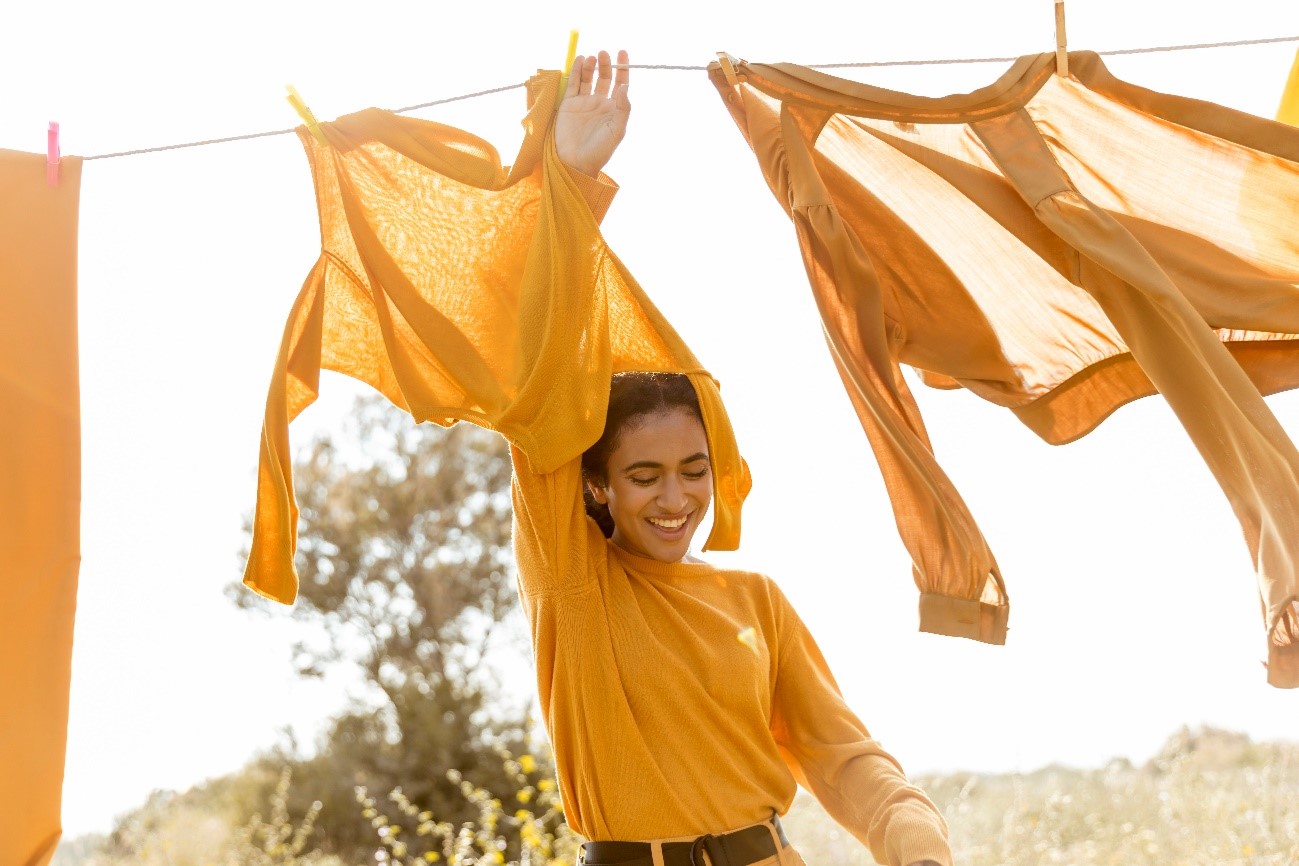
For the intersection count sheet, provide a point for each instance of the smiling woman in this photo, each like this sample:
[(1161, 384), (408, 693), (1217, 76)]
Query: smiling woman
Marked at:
[(647, 479), (685, 702)]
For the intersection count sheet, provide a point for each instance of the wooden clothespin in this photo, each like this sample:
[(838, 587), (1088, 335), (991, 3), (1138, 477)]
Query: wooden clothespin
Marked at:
[(728, 68), (1061, 51), (567, 71), (313, 125), (52, 155)]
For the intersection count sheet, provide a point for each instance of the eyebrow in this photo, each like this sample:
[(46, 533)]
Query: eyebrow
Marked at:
[(650, 464)]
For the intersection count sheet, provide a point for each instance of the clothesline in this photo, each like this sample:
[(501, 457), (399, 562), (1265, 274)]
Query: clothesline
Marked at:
[(668, 67)]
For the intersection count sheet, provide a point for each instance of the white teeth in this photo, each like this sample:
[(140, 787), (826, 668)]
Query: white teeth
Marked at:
[(668, 524)]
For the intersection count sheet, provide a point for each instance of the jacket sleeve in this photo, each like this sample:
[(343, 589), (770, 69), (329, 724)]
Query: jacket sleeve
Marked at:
[(831, 754)]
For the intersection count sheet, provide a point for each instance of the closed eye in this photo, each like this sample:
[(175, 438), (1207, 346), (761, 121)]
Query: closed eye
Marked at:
[(696, 475), (642, 482)]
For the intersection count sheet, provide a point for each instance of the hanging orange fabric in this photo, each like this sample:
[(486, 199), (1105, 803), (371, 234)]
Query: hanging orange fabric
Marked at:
[(40, 496), (459, 289), (1055, 245), (1288, 112)]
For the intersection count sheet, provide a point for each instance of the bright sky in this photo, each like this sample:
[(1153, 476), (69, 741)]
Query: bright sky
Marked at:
[(1134, 607)]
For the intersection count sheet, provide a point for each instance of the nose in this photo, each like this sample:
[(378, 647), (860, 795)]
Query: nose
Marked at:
[(672, 495)]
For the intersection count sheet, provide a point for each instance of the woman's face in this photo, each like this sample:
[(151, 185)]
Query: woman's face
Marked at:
[(659, 484)]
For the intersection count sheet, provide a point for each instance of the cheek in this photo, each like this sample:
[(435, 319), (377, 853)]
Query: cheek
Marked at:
[(628, 499)]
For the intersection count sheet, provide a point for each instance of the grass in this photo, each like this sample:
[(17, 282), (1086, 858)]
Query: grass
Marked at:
[(1210, 798)]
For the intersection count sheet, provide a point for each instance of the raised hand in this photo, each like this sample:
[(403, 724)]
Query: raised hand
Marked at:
[(592, 119)]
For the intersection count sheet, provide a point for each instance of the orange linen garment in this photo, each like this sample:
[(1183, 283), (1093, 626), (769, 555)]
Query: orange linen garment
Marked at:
[(40, 496), (465, 291), (1288, 111), (1058, 246)]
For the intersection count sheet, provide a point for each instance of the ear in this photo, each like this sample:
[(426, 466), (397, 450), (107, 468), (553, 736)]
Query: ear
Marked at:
[(597, 493)]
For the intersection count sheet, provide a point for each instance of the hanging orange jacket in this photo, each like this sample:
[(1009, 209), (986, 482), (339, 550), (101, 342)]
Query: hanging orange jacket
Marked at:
[(1058, 246)]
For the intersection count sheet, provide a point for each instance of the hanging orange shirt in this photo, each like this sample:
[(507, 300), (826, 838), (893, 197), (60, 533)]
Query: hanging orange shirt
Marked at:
[(465, 291), (1058, 246), (40, 496)]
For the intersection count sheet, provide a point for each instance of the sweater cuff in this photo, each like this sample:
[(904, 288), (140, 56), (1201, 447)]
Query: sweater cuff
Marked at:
[(1283, 666), (597, 192), (915, 836), (963, 617)]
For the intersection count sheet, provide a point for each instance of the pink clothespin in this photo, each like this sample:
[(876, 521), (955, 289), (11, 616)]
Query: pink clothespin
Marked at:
[(52, 155)]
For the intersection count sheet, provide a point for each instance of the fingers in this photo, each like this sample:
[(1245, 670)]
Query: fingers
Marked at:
[(621, 82), (574, 78), (605, 78), (623, 76), (588, 75), (597, 76)]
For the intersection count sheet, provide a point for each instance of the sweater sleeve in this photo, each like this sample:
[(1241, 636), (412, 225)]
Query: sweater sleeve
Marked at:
[(552, 533), (832, 755), (598, 192)]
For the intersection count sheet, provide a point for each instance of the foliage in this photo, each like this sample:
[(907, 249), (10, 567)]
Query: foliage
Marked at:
[(192, 829), (1208, 799), (536, 822), (404, 558), (279, 842), (406, 575)]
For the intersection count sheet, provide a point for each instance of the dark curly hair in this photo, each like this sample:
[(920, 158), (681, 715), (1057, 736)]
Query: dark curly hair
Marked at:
[(632, 396)]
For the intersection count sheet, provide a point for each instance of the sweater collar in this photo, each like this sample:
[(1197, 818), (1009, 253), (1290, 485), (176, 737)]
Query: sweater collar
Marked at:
[(646, 565)]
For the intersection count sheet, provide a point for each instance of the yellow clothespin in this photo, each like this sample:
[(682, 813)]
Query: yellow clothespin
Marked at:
[(1061, 52), (728, 68), (313, 125), (568, 63)]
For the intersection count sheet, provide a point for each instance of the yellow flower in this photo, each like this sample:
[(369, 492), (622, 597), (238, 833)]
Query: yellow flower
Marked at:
[(546, 785), (525, 795), (522, 815), (432, 856), (528, 764)]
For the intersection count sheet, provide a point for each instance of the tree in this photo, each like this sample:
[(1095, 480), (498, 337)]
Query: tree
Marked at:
[(406, 575)]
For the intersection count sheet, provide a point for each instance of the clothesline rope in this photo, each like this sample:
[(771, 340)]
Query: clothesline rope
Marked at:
[(669, 67)]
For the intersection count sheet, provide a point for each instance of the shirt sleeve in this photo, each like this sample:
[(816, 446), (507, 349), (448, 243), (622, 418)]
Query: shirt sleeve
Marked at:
[(831, 754), (962, 591)]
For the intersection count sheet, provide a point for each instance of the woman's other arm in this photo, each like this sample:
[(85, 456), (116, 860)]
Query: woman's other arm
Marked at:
[(833, 755)]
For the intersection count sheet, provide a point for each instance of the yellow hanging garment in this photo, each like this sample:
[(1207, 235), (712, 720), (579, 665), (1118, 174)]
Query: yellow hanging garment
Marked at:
[(1288, 112), (459, 288), (40, 496)]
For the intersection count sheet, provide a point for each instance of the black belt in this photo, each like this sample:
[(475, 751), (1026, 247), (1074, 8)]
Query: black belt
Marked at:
[(730, 849)]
